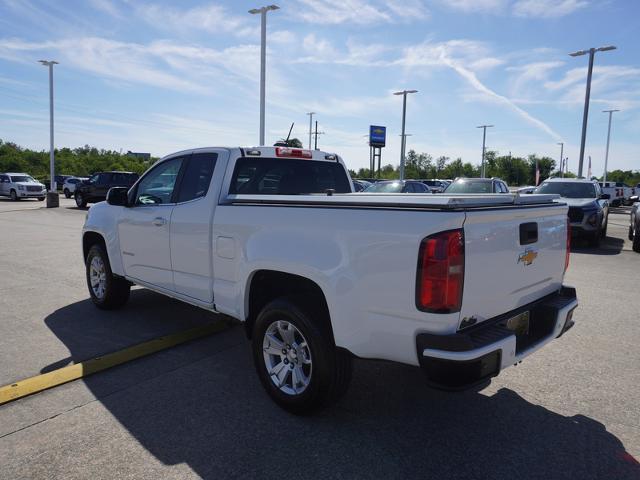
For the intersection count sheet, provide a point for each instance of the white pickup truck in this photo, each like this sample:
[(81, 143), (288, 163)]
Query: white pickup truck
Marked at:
[(460, 285)]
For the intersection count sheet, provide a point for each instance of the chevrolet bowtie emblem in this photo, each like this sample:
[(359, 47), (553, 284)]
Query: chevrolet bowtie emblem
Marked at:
[(528, 257)]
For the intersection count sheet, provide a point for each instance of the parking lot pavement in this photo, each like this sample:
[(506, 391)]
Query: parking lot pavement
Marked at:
[(198, 410)]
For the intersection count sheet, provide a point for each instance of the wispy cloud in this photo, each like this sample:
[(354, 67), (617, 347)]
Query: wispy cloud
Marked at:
[(547, 8), (444, 54), (472, 6), (360, 12), (210, 18)]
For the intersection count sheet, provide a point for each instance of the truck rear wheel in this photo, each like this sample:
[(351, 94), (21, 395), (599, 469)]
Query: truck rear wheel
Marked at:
[(636, 241), (295, 357), (107, 291)]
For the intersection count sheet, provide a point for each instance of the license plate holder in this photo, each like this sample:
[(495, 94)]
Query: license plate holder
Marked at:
[(519, 324)]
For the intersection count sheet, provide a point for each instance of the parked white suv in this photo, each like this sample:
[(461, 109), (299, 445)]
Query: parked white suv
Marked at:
[(69, 186), (21, 185), (275, 238)]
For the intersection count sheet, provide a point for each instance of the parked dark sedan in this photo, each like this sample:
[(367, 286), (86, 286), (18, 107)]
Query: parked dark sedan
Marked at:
[(398, 186), (634, 227), (95, 189)]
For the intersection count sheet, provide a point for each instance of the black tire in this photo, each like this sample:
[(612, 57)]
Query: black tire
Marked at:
[(14, 195), (40, 199), (67, 193), (603, 232), (636, 241), (116, 289), (330, 372), (81, 202), (630, 232)]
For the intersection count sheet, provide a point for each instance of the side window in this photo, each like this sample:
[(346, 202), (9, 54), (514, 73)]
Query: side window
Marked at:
[(197, 176), (157, 186), (103, 178)]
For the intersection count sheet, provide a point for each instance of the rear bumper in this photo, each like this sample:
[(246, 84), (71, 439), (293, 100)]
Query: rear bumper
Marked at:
[(463, 359)]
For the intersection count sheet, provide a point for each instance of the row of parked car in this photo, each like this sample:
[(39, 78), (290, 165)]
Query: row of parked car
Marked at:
[(85, 190), (588, 200)]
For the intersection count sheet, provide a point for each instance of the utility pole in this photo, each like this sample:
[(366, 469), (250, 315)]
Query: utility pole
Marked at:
[(561, 158), (263, 61), (404, 116), (52, 195), (606, 156), (591, 52), (315, 134), (311, 114), (484, 137)]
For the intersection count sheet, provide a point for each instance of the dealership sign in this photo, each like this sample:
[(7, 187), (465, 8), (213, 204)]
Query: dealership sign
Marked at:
[(377, 136)]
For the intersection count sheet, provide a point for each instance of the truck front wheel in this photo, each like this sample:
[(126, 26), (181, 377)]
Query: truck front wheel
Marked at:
[(107, 291), (295, 356)]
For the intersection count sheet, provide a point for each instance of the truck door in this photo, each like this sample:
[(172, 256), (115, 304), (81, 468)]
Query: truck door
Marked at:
[(191, 228), (143, 228)]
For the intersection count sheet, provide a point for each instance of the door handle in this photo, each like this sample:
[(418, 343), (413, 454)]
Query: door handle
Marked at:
[(159, 221)]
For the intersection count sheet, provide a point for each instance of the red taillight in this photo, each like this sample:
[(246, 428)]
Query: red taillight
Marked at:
[(440, 274), (293, 152), (568, 254)]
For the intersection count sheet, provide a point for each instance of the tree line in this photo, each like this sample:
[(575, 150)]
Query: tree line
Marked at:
[(516, 171), (81, 161)]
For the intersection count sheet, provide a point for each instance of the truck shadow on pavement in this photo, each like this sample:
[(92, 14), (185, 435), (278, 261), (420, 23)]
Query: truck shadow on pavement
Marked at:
[(211, 413), (609, 246)]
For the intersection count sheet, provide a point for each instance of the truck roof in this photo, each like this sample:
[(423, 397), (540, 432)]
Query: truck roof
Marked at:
[(269, 152)]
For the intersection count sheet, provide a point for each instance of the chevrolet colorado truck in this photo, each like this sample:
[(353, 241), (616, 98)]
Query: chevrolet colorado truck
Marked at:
[(462, 286)]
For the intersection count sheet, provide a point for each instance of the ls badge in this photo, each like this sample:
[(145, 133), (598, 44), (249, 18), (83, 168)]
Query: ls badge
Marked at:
[(528, 257)]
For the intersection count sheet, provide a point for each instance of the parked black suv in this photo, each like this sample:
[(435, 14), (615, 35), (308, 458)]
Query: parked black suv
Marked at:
[(95, 189)]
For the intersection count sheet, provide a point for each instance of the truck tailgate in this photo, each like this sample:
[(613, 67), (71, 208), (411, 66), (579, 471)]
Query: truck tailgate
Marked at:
[(513, 257)]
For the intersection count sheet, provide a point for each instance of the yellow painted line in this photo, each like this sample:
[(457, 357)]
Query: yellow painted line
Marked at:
[(57, 377)]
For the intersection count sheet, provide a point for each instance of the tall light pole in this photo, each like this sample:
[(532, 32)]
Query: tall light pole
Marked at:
[(591, 52), (263, 60), (561, 158), (606, 155), (310, 127), (52, 178), (484, 138), (404, 117)]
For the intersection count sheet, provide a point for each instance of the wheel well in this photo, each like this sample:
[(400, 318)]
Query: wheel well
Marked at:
[(89, 240), (267, 285)]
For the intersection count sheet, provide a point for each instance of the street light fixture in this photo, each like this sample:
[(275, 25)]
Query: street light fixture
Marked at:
[(591, 52), (52, 196), (263, 60), (404, 116), (606, 156), (484, 137)]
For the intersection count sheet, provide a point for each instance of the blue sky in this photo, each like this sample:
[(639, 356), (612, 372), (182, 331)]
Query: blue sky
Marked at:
[(164, 76)]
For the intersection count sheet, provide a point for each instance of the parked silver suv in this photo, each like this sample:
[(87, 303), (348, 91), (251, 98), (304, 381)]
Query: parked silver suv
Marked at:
[(21, 185)]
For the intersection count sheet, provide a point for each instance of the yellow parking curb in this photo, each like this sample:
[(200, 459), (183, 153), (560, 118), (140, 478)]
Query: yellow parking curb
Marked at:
[(57, 377)]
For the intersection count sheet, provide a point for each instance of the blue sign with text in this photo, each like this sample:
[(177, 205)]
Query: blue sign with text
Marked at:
[(377, 136)]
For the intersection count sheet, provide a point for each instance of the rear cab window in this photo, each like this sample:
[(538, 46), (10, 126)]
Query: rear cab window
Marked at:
[(287, 176)]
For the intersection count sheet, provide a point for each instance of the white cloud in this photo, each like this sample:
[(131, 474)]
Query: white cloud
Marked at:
[(360, 12), (452, 54), (547, 8), (470, 6), (210, 18), (106, 6)]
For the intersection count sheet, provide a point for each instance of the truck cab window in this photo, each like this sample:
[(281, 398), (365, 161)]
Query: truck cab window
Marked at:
[(157, 186), (197, 176), (280, 176)]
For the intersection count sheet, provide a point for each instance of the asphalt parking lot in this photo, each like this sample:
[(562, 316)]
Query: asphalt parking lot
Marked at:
[(198, 410)]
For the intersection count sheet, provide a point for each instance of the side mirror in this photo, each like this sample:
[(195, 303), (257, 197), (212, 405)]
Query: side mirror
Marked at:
[(605, 196), (118, 196)]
